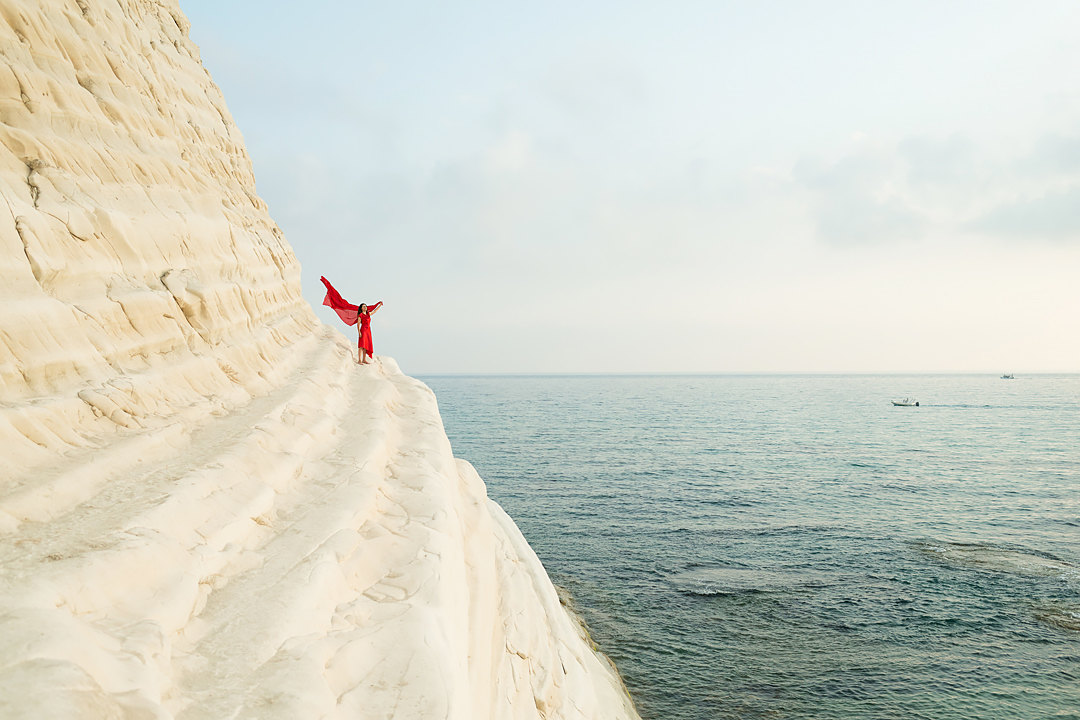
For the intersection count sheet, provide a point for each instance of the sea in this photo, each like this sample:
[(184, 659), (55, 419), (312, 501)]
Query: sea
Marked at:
[(768, 546)]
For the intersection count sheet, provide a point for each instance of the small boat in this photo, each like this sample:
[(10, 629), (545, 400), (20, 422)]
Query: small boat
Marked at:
[(1008, 376), (906, 402)]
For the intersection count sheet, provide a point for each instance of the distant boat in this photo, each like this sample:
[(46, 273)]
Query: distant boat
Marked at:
[(1008, 376), (906, 402)]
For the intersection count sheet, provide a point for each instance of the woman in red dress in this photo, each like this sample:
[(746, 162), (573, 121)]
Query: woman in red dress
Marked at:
[(358, 315), (363, 322)]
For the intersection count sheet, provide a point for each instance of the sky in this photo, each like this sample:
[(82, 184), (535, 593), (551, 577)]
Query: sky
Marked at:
[(673, 187)]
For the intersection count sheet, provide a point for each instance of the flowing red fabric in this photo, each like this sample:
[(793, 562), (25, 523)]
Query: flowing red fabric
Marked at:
[(333, 300)]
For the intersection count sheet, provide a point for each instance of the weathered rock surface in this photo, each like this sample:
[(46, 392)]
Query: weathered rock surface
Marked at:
[(207, 510)]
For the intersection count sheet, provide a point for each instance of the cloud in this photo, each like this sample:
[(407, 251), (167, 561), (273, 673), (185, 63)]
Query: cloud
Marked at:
[(511, 153), (595, 89), (877, 192), (861, 198), (1055, 154), (859, 218), (1053, 216), (1037, 194), (938, 160)]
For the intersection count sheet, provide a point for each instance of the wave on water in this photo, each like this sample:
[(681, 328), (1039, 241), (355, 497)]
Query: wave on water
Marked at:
[(1013, 560), (712, 581), (1063, 617), (981, 406)]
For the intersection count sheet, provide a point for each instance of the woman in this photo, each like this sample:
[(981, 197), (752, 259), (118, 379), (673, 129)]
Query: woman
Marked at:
[(350, 314), (363, 322)]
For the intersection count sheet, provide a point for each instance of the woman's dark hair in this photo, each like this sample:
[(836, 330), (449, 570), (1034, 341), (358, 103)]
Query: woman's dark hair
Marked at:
[(363, 306)]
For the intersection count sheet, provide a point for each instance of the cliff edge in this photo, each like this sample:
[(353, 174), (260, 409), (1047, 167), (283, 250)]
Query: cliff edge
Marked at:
[(207, 510)]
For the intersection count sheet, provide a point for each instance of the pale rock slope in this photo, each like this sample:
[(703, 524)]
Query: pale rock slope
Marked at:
[(207, 509)]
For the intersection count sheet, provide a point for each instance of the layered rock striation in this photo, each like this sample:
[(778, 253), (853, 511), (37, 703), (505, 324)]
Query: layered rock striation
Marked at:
[(207, 510)]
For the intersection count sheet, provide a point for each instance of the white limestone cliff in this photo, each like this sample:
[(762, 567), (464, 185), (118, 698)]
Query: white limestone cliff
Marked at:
[(207, 510)]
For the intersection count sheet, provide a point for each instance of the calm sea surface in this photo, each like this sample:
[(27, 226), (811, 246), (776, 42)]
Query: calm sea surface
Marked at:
[(796, 547)]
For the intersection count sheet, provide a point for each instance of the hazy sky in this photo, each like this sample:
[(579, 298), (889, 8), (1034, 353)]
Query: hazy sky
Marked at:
[(679, 186)]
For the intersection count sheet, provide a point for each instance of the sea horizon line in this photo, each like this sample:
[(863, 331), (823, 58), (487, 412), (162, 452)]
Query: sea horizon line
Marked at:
[(751, 373)]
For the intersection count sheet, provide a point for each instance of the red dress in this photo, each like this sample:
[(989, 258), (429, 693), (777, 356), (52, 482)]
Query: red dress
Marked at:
[(364, 321), (365, 332)]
